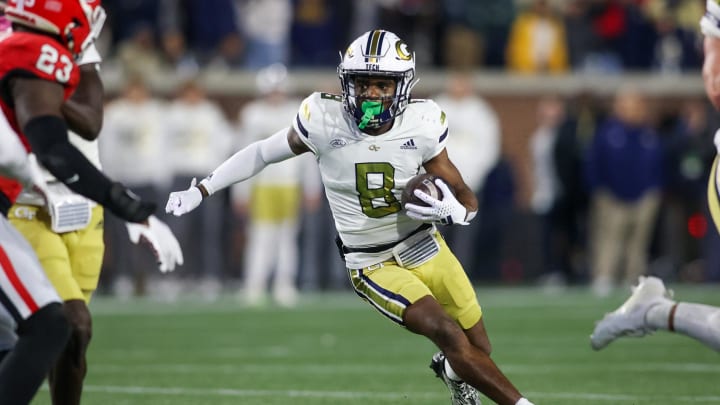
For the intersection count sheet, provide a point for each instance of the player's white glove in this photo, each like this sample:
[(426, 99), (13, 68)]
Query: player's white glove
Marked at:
[(447, 211), (182, 202), (161, 241), (717, 141), (89, 55)]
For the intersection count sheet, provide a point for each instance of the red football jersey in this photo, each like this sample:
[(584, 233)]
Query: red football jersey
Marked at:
[(28, 54)]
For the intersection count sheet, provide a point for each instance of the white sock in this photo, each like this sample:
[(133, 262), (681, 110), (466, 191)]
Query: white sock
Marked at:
[(523, 401), (658, 316), (450, 372), (698, 321)]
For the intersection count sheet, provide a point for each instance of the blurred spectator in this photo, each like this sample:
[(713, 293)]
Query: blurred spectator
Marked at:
[(138, 55), (125, 16), (686, 13), (608, 21), (474, 147), (676, 49), (688, 140), (318, 32), (364, 15), (177, 57), (416, 21), (266, 28), (537, 41), (496, 214), (199, 140), (627, 36), (272, 199), (580, 36), (463, 48), (132, 138), (212, 32), (624, 172), (550, 115), (570, 206), (228, 54), (478, 28)]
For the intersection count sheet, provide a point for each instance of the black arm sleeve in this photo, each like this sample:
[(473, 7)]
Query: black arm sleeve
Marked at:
[(48, 138), (49, 141)]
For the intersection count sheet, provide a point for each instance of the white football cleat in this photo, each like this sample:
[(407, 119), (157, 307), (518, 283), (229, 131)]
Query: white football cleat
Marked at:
[(629, 319)]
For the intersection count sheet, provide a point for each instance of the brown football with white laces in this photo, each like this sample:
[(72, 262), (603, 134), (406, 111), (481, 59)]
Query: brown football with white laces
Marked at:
[(424, 182)]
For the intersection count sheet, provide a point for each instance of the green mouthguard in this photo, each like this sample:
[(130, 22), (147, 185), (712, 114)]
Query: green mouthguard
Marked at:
[(370, 109)]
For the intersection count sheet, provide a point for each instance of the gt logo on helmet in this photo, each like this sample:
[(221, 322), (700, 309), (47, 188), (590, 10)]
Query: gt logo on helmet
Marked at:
[(402, 50)]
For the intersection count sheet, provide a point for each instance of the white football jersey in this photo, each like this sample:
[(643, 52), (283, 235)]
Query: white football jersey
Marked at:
[(364, 175)]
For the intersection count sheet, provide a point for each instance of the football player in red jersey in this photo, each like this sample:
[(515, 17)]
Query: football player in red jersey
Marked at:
[(48, 37)]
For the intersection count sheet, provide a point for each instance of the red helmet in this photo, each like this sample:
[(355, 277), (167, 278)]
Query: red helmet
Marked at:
[(75, 22)]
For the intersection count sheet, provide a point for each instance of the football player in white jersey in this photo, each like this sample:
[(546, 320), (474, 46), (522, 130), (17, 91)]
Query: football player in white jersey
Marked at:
[(368, 143), (650, 307)]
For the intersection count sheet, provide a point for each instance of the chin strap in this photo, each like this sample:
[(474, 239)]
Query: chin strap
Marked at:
[(370, 109)]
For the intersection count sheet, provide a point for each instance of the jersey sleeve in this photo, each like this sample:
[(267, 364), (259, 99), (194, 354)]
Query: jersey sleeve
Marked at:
[(308, 121), (435, 129), (710, 22)]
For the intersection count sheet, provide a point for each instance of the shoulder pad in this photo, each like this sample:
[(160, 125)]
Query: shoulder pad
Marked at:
[(430, 111)]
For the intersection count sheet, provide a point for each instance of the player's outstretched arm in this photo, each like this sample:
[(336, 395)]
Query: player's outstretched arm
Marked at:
[(239, 167), (38, 106)]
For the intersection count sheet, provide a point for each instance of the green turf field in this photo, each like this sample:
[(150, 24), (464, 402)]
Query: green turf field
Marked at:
[(334, 349)]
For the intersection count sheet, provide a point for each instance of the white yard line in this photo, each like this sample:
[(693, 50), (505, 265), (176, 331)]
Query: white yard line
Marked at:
[(243, 393)]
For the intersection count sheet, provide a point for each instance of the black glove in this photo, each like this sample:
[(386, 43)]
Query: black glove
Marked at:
[(125, 204)]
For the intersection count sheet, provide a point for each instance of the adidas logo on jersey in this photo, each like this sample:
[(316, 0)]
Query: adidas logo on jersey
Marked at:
[(409, 145)]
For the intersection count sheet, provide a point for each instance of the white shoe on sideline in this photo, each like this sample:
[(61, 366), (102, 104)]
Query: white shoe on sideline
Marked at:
[(629, 319)]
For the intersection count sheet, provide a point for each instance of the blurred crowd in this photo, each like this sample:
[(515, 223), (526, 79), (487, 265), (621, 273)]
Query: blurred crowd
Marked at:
[(527, 36), (253, 237), (620, 188)]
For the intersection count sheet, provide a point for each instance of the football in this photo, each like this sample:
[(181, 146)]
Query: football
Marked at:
[(424, 182)]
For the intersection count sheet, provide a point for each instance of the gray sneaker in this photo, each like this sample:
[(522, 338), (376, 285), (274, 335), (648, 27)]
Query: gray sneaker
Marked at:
[(461, 393), (629, 319)]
